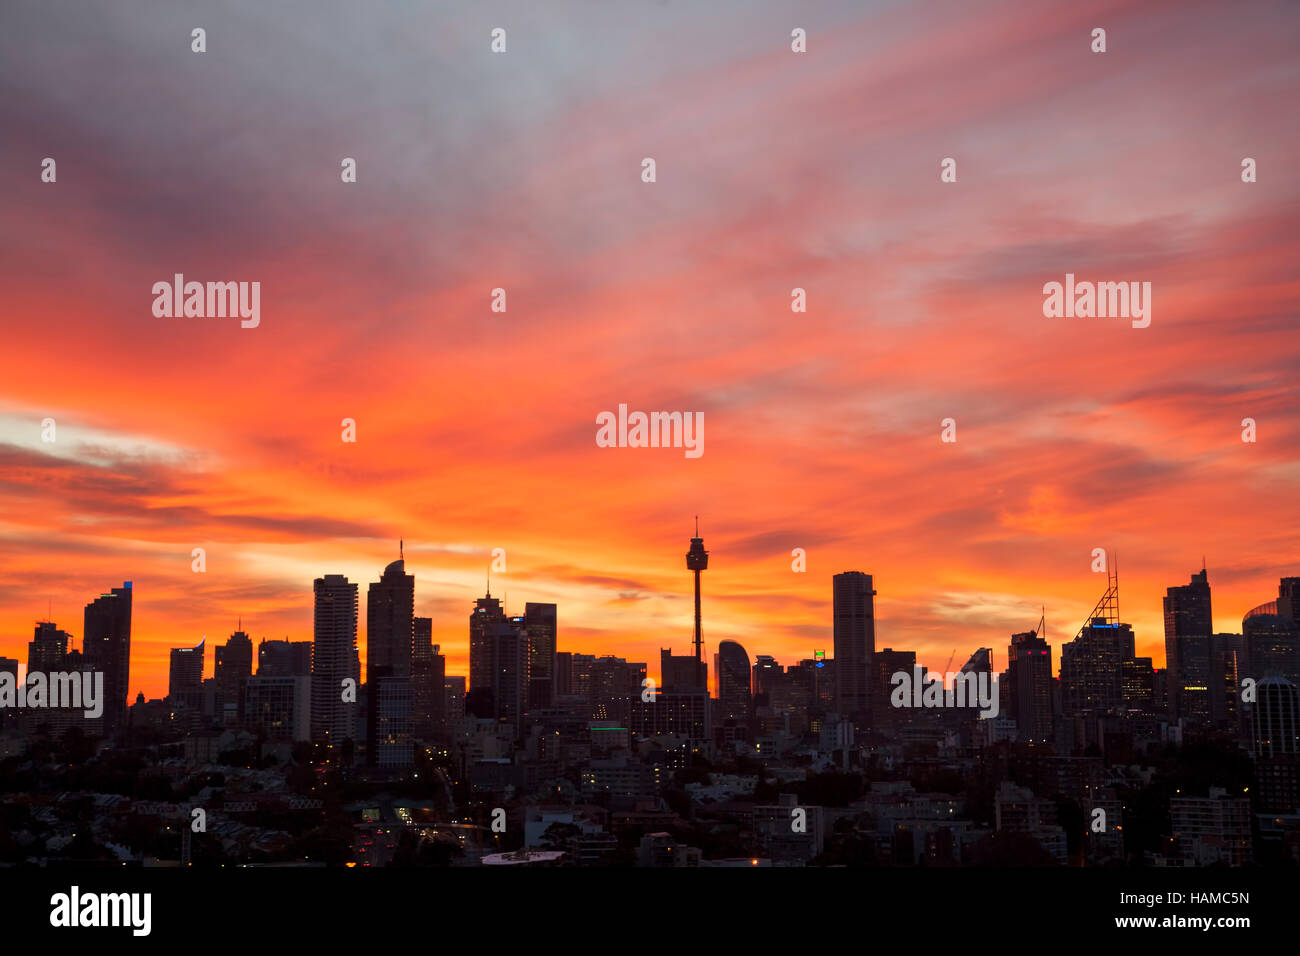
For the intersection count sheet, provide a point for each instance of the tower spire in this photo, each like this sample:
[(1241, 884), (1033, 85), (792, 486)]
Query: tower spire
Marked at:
[(401, 549)]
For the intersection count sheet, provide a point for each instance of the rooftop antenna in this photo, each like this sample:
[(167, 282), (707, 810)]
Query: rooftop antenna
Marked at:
[(401, 549)]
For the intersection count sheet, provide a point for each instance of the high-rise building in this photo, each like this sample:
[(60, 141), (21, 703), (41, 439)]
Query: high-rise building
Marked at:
[(1029, 673), (1272, 644), (47, 651), (886, 664), (1276, 732), (563, 674), (186, 672), (731, 670), (498, 659), (681, 671), (855, 642), (278, 707), (1092, 668), (1188, 649), (540, 632), (333, 660), (390, 640), (453, 701), (284, 658), (234, 665), (106, 647), (428, 675)]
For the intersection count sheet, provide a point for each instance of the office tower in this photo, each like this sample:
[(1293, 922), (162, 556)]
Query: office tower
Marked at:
[(731, 670), (1029, 675), (763, 678), (855, 643), (615, 683), (284, 658), (47, 652), (1275, 720), (540, 631), (453, 701), (697, 560), (681, 671), (428, 676), (390, 640), (885, 664), (981, 665), (106, 646), (234, 665), (1092, 668), (498, 662), (1139, 685), (1188, 649), (1272, 644), (683, 713), (1288, 598), (580, 670), (563, 674), (278, 708), (333, 660), (186, 672)]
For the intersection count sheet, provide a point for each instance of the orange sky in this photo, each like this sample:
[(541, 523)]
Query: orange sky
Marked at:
[(476, 430)]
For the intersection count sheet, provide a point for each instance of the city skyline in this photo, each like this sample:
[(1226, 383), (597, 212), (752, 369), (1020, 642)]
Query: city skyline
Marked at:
[(455, 649)]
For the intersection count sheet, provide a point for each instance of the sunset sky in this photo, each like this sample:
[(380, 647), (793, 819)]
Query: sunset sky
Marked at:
[(775, 170)]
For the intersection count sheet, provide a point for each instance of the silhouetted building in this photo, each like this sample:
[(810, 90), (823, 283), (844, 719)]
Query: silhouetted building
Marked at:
[(106, 646), (284, 658), (855, 642), (1029, 673), (428, 674), (540, 632), (390, 639), (731, 670), (681, 671), (234, 665), (333, 660), (47, 651), (186, 672), (498, 659), (1188, 650)]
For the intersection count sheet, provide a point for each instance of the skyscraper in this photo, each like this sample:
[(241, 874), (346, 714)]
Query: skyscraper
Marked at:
[(186, 672), (234, 665), (731, 670), (855, 643), (284, 658), (333, 659), (390, 639), (1029, 672), (48, 649), (498, 659), (1188, 649), (540, 630), (106, 647), (428, 674)]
